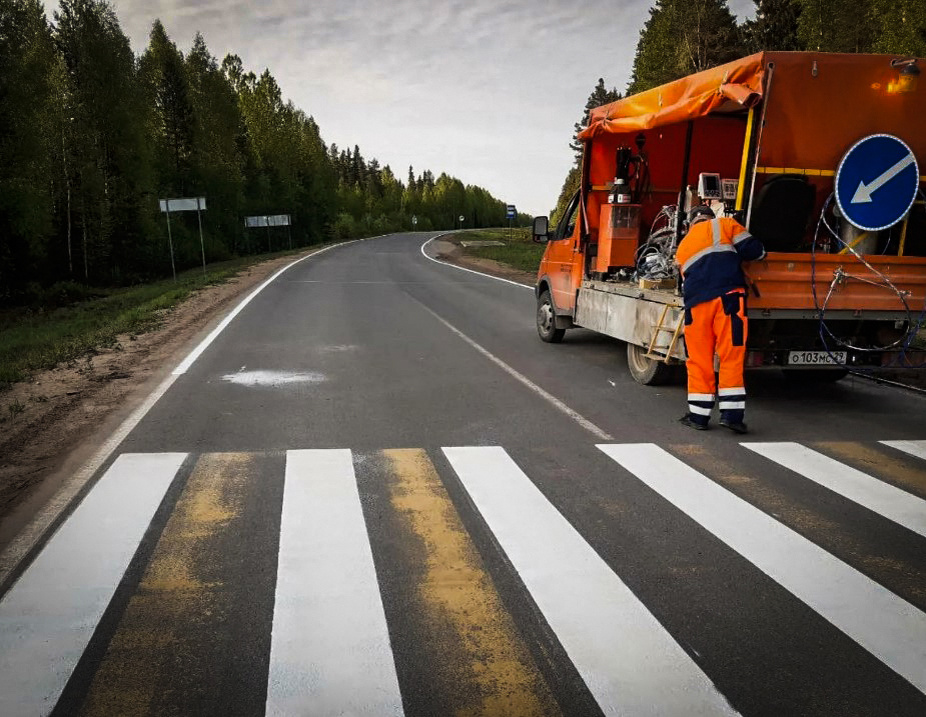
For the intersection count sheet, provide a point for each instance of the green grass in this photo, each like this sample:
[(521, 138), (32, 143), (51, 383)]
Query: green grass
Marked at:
[(519, 253), (32, 340)]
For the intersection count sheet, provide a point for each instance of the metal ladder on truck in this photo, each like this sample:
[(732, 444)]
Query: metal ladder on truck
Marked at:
[(652, 350)]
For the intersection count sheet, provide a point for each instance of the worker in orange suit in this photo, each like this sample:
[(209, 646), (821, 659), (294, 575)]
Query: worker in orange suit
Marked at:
[(711, 257)]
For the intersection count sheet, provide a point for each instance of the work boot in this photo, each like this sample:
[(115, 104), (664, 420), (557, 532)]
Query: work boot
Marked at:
[(735, 426), (689, 420)]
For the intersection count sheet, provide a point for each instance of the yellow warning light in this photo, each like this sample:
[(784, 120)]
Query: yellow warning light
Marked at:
[(907, 78)]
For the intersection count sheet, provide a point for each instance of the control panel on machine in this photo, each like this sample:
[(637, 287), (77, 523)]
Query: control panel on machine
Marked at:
[(709, 187), (729, 189)]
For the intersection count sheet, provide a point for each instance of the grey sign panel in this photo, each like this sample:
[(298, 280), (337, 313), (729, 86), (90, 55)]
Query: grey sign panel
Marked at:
[(186, 204), (275, 220)]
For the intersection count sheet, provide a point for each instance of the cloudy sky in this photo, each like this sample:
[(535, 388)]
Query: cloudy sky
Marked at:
[(486, 90)]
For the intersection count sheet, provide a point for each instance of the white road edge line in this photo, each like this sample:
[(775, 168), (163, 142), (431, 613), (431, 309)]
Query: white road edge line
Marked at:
[(30, 536), (42, 636), (471, 271), (882, 498), (184, 365), (884, 624), (330, 652), (628, 660), (549, 398)]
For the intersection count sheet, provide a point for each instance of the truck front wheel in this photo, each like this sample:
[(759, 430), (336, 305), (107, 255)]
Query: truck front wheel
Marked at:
[(546, 320), (649, 372)]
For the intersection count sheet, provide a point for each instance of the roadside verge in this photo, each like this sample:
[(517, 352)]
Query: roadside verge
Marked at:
[(83, 413)]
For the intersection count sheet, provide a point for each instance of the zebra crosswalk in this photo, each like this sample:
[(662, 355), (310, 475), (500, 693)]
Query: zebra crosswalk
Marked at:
[(461, 579)]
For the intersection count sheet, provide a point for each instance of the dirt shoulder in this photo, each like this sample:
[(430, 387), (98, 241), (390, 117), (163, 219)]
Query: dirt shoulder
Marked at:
[(60, 417), (448, 249)]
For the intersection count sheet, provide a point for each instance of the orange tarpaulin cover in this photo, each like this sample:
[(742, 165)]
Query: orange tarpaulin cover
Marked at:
[(737, 84)]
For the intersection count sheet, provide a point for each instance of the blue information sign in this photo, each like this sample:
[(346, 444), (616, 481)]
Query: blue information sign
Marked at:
[(876, 182), (511, 211)]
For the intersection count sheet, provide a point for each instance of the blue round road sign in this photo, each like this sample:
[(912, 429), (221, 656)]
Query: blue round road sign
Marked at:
[(876, 182)]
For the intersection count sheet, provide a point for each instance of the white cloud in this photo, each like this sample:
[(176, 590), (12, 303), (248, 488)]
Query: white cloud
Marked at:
[(487, 91)]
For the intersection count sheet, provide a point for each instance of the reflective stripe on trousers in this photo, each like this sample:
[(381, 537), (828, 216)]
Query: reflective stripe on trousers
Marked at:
[(717, 326)]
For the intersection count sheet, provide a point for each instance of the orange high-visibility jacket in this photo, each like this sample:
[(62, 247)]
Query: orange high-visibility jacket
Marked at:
[(711, 257)]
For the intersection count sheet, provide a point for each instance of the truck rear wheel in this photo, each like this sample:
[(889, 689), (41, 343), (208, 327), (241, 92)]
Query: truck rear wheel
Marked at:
[(546, 320), (645, 370)]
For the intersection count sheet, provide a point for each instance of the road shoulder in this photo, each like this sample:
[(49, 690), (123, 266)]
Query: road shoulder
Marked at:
[(69, 411)]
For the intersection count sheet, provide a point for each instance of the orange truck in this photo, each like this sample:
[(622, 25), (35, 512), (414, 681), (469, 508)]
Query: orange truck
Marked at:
[(817, 154)]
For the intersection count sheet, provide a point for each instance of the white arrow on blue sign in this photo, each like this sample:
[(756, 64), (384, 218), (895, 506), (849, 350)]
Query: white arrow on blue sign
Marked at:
[(877, 182)]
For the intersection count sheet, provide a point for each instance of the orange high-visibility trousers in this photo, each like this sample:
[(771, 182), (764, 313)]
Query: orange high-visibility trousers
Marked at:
[(717, 326)]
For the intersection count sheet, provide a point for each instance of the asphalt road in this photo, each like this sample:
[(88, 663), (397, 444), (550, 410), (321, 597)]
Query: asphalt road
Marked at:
[(377, 492)]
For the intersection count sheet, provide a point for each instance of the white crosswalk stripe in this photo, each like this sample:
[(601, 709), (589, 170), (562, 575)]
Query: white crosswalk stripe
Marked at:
[(330, 651), (49, 615), (914, 448), (882, 498), (330, 646), (629, 662), (887, 626)]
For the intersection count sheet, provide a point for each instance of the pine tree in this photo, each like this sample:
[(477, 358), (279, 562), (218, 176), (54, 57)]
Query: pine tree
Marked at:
[(27, 141), (681, 37), (837, 25), (599, 96), (112, 158), (900, 27), (165, 79), (218, 159), (775, 26)]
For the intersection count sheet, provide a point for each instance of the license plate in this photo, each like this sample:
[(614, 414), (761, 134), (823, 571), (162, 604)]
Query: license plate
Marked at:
[(816, 358)]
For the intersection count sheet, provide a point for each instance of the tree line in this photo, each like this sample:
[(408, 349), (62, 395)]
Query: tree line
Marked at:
[(681, 37), (93, 135)]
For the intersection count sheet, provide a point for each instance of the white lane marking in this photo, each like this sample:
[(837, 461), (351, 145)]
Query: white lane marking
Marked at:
[(551, 399), (50, 613), (471, 271), (272, 378), (913, 448), (631, 665), (330, 651), (887, 626), (29, 537), (876, 495), (184, 365)]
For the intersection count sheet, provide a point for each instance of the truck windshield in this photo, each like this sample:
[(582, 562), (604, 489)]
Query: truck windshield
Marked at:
[(567, 222)]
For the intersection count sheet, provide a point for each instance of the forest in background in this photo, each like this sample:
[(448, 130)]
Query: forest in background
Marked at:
[(686, 36), (93, 135)]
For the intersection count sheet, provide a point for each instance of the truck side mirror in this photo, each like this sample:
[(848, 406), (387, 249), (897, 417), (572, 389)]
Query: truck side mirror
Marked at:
[(541, 229)]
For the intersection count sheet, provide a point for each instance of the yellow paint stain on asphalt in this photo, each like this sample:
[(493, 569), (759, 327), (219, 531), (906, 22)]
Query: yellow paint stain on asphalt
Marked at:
[(877, 463), (163, 622), (459, 596), (764, 495)]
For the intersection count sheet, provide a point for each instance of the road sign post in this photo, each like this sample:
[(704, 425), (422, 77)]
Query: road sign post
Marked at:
[(511, 213), (185, 204), (170, 243), (876, 182), (202, 245)]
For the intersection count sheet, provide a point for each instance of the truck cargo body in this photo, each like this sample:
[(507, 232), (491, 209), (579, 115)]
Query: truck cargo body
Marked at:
[(773, 128)]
